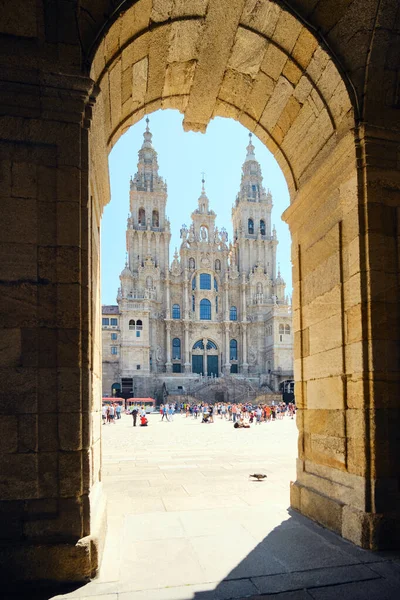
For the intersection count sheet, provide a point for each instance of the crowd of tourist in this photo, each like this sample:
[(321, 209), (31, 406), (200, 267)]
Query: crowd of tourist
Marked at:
[(242, 415)]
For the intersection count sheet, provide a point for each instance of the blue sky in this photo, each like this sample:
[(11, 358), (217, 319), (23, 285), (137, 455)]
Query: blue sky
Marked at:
[(182, 157)]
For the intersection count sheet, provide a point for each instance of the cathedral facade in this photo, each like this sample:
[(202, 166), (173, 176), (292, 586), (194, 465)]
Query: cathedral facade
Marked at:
[(218, 309)]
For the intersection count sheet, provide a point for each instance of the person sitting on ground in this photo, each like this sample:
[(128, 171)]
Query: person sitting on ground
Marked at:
[(143, 421)]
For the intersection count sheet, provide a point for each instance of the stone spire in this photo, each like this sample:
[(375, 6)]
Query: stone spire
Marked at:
[(251, 186), (147, 178)]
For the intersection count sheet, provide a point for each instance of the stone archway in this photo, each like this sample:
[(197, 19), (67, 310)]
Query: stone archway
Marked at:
[(320, 88)]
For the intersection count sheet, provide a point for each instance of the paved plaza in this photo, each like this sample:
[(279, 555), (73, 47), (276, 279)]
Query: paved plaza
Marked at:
[(185, 521)]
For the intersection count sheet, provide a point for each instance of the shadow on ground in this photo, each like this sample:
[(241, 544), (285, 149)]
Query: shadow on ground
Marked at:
[(297, 560)]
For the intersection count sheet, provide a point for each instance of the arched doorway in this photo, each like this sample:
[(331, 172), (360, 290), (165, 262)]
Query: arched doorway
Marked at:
[(205, 358), (327, 107)]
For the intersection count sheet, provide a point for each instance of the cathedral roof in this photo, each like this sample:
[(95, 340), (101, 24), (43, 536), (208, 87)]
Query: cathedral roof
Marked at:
[(110, 309)]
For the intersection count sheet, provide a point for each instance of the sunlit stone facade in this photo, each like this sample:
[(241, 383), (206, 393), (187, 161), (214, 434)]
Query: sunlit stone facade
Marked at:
[(219, 308)]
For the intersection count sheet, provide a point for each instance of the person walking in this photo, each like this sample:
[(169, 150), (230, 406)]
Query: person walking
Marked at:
[(134, 413), (118, 411)]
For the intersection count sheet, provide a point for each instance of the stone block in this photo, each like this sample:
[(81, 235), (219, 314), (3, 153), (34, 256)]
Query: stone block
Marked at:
[(8, 434), (68, 305), (322, 509), (323, 365), (23, 180), (325, 422), (247, 53), (287, 31), (68, 224), (69, 390), (66, 524), (48, 432), (19, 476), (70, 474), (273, 110), (18, 262), (235, 86), (326, 335), (10, 347), (22, 382), (273, 63), (304, 47), (292, 72), (326, 393), (70, 431), (179, 78), (263, 16), (328, 450), (48, 482), (19, 220), (27, 433)]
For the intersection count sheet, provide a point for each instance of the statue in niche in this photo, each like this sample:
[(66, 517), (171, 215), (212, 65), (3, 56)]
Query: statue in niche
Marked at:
[(224, 235), (191, 233), (159, 354), (203, 234)]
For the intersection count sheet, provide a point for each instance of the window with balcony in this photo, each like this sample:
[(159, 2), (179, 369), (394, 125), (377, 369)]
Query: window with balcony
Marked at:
[(132, 324), (114, 322), (105, 321), (139, 325), (250, 226), (233, 353)]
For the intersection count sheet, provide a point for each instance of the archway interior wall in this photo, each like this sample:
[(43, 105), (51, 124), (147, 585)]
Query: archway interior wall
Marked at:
[(269, 73)]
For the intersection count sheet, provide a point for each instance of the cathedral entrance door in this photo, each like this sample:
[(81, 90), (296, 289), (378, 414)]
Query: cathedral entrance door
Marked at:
[(212, 366), (197, 364)]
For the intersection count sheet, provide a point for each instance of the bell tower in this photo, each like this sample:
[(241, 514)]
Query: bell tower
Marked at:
[(148, 231), (254, 242)]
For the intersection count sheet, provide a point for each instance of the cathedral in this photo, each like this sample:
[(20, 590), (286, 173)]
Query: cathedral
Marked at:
[(219, 309)]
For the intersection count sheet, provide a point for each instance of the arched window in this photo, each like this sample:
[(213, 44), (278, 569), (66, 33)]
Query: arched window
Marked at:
[(192, 263), (233, 350), (250, 226), (233, 313), (155, 220), (287, 329), (205, 281), (194, 283), (215, 284), (131, 324), (205, 310), (176, 349), (142, 216), (262, 227), (281, 329), (217, 265), (139, 325), (211, 345), (198, 345), (216, 304), (176, 311), (193, 303)]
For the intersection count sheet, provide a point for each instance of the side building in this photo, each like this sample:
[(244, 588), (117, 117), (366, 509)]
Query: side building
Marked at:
[(218, 310)]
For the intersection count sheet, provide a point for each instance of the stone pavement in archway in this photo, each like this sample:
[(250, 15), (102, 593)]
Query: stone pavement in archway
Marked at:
[(186, 522)]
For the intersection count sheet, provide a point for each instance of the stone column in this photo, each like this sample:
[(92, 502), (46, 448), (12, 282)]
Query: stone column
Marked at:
[(205, 370), (50, 280), (245, 365), (168, 364), (227, 365), (187, 366)]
